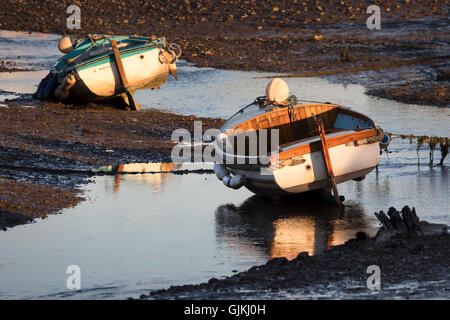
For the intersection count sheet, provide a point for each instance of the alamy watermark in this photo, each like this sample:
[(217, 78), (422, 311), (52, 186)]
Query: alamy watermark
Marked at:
[(374, 280), (234, 147), (374, 21), (73, 281), (74, 20)]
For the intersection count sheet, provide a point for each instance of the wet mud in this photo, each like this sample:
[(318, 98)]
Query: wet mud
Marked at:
[(433, 93), (340, 272), (10, 66), (55, 147), (22, 202), (293, 37)]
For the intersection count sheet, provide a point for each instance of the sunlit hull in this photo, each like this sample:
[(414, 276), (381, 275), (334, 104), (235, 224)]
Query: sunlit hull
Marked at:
[(90, 71), (298, 165), (349, 162), (97, 82)]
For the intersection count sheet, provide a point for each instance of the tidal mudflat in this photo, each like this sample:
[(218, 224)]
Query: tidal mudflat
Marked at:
[(157, 229), (166, 224)]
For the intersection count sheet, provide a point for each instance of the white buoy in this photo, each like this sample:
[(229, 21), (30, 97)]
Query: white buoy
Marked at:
[(277, 91), (65, 45)]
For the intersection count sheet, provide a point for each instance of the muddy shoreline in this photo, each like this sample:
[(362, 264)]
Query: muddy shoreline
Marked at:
[(10, 66), (411, 268), (297, 37), (39, 202), (54, 147)]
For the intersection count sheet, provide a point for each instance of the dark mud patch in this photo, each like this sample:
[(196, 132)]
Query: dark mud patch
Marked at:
[(10, 66), (11, 219), (60, 136), (22, 202), (417, 92), (342, 270), (204, 17), (54, 147)]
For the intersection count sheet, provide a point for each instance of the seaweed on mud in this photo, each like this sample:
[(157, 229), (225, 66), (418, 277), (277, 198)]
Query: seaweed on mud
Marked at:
[(431, 141), (432, 144)]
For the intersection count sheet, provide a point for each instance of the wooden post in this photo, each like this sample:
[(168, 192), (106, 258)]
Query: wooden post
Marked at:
[(326, 156), (122, 75)]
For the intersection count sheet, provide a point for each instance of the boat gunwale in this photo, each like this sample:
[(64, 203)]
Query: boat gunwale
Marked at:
[(333, 140)]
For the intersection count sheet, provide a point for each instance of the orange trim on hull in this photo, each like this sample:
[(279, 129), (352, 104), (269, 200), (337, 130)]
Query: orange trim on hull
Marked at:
[(331, 142)]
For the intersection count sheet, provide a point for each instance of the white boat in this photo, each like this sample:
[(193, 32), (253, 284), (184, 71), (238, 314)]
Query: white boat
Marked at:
[(101, 67), (297, 163)]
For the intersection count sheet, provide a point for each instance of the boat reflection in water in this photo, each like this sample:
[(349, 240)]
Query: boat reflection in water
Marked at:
[(284, 228), (149, 173)]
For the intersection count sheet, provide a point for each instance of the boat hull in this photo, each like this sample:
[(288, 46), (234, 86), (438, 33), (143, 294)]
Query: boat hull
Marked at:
[(349, 161), (101, 67), (295, 162), (102, 81)]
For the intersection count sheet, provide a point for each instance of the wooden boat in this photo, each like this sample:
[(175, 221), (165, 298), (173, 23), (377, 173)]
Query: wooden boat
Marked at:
[(101, 67), (297, 163)]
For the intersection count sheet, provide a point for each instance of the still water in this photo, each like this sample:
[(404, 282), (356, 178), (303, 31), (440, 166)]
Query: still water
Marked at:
[(138, 232)]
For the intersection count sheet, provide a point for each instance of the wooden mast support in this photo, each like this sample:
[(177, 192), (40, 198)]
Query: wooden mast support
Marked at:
[(326, 156), (122, 75)]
